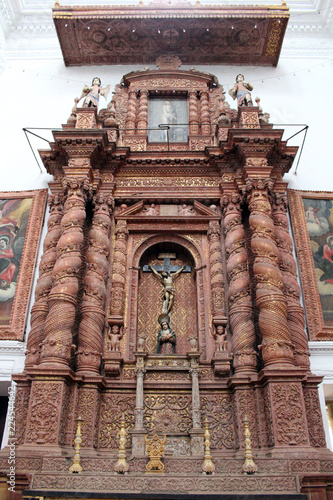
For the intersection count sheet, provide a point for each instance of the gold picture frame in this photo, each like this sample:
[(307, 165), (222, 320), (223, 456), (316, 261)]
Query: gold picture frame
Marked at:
[(311, 215), (21, 220)]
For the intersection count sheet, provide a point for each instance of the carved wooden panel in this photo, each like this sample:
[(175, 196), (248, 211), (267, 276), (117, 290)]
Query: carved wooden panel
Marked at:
[(203, 34), (112, 407)]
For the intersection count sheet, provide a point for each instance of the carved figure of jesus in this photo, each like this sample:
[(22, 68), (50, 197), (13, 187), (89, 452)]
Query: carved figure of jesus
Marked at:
[(167, 280)]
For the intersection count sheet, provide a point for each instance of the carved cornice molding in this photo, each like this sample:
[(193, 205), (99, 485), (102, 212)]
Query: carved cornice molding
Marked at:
[(11, 347)]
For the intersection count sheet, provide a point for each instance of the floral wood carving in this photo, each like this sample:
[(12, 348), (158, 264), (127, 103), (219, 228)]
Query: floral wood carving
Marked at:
[(112, 408), (168, 413), (219, 410)]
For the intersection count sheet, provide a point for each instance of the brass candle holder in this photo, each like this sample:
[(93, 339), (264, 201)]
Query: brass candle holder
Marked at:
[(207, 467), (76, 468), (249, 466), (121, 467)]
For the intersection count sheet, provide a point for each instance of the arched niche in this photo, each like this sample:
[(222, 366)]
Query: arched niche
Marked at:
[(183, 317), (189, 317)]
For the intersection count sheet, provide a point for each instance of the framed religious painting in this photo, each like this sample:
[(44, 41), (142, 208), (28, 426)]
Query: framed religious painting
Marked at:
[(312, 221), (167, 119), (21, 220)]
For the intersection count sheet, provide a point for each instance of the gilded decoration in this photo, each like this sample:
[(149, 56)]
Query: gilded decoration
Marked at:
[(168, 414)]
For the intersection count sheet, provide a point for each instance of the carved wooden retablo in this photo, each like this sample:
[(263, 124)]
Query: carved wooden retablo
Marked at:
[(167, 294)]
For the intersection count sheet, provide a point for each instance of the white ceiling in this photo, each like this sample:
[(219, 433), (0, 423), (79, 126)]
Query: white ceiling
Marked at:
[(27, 30)]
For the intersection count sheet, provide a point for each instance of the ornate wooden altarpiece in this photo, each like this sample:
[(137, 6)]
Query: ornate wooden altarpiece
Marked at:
[(211, 210)]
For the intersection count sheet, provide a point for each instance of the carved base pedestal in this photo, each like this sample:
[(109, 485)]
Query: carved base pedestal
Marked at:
[(197, 442), (112, 364), (284, 402), (222, 363), (138, 443)]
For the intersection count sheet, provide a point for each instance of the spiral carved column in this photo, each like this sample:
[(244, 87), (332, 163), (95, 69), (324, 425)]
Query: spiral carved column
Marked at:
[(295, 313), (92, 309), (240, 303), (119, 275), (193, 112), (216, 270), (40, 308), (143, 113), (57, 345), (204, 112), (276, 344), (131, 113)]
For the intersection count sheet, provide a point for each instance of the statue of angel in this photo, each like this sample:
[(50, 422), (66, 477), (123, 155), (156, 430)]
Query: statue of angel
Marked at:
[(242, 90), (93, 92)]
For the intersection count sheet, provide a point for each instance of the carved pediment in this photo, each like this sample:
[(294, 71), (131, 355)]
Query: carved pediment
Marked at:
[(151, 210)]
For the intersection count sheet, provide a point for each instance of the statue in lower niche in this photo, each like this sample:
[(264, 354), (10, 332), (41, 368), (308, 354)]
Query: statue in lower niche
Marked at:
[(220, 336), (115, 334), (166, 338), (242, 90)]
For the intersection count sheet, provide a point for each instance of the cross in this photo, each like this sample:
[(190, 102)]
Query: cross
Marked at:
[(167, 266)]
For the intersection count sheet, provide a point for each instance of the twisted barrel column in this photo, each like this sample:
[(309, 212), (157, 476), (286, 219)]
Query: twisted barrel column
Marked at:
[(143, 113), (204, 112), (240, 302), (57, 345), (40, 308), (277, 348), (295, 313), (117, 303), (92, 309), (193, 112), (131, 113), (216, 271)]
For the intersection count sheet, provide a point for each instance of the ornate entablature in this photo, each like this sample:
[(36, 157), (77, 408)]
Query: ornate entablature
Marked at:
[(168, 291), (202, 34)]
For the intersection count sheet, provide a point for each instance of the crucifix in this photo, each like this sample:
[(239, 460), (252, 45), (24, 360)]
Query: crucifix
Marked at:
[(167, 273)]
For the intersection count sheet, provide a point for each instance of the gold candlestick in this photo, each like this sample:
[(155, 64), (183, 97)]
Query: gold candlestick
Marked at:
[(249, 466), (207, 467), (121, 467), (76, 468)]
